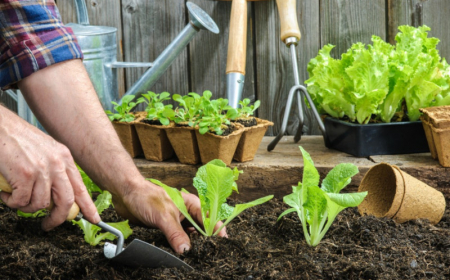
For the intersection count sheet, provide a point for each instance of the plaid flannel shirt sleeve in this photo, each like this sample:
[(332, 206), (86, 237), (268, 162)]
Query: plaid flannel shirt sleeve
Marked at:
[(32, 37)]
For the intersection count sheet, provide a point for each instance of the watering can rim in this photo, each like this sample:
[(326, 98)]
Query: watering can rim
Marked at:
[(86, 30)]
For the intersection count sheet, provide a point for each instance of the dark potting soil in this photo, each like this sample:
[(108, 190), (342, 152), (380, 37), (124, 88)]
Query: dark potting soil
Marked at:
[(152, 122), (258, 247), (227, 129), (182, 124), (247, 122)]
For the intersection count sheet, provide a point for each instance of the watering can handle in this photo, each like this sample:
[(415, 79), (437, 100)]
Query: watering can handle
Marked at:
[(82, 14), (74, 210)]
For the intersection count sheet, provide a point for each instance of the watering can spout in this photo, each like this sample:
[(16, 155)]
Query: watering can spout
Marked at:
[(198, 20)]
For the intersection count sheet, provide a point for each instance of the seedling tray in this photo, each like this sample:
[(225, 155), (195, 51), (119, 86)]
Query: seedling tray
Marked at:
[(362, 140)]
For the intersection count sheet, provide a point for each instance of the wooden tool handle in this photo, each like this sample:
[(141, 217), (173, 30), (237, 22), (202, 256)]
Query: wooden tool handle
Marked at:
[(237, 39), (288, 19), (74, 210)]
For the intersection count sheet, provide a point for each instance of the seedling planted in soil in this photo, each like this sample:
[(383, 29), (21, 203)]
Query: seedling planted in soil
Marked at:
[(124, 110), (318, 207), (214, 183)]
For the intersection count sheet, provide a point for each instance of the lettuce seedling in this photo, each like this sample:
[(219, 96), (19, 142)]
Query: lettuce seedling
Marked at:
[(246, 110), (214, 183), (90, 185), (156, 110), (92, 234), (190, 108), (318, 207), (37, 214), (123, 111), (216, 115)]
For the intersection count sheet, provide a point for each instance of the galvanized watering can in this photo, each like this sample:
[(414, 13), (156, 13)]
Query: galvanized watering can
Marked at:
[(98, 44), (99, 47)]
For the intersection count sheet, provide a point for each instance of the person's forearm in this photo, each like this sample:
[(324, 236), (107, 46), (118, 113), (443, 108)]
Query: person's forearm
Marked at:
[(68, 107)]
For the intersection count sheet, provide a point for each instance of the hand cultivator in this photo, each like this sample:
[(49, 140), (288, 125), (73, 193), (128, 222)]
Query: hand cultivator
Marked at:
[(290, 35)]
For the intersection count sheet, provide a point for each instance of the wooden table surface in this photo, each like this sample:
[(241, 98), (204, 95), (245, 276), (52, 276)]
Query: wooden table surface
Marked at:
[(276, 171)]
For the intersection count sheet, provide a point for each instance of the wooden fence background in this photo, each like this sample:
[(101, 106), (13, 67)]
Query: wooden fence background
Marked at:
[(146, 27)]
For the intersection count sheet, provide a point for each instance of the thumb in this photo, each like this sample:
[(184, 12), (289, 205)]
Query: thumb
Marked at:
[(177, 237)]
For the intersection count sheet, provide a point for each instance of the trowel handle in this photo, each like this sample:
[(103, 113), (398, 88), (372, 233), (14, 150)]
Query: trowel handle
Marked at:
[(237, 39), (74, 210), (288, 19)]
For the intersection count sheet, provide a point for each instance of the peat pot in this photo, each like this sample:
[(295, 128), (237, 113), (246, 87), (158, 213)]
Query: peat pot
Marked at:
[(128, 137), (250, 140), (154, 141), (392, 193), (212, 146), (436, 123), (184, 143)]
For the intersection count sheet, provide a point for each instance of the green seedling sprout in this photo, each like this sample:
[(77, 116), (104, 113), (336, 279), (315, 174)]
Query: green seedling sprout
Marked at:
[(156, 110), (318, 207), (246, 110), (214, 182), (124, 110)]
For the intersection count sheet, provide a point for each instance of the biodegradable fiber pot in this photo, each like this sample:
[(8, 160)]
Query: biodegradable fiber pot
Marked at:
[(429, 135), (250, 140), (154, 141), (395, 194), (184, 143), (129, 138), (212, 146), (436, 123)]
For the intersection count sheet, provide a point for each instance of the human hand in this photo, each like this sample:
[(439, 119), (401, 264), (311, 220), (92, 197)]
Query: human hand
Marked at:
[(40, 170), (150, 205)]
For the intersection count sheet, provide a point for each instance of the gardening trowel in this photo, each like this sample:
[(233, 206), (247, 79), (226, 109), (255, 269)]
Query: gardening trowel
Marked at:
[(137, 254)]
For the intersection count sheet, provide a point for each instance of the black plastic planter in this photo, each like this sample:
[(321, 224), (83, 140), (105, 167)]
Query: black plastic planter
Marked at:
[(364, 140)]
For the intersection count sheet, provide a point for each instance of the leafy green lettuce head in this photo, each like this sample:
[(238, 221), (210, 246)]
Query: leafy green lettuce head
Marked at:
[(378, 79)]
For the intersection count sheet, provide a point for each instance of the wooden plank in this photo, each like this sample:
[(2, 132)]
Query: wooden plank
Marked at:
[(100, 12), (434, 14), (208, 53), (274, 69), (400, 12), (275, 172), (345, 22), (149, 27)]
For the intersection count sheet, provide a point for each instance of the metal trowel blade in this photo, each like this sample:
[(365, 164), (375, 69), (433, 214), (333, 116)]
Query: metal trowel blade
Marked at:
[(142, 254)]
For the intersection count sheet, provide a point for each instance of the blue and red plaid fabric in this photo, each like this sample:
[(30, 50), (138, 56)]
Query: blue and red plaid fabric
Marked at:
[(32, 37)]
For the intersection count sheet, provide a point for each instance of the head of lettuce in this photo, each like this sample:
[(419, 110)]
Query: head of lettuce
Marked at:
[(381, 82)]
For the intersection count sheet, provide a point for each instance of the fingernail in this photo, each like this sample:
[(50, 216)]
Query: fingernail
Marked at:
[(183, 248)]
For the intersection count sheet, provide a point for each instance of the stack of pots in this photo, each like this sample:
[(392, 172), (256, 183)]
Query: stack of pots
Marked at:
[(436, 123)]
